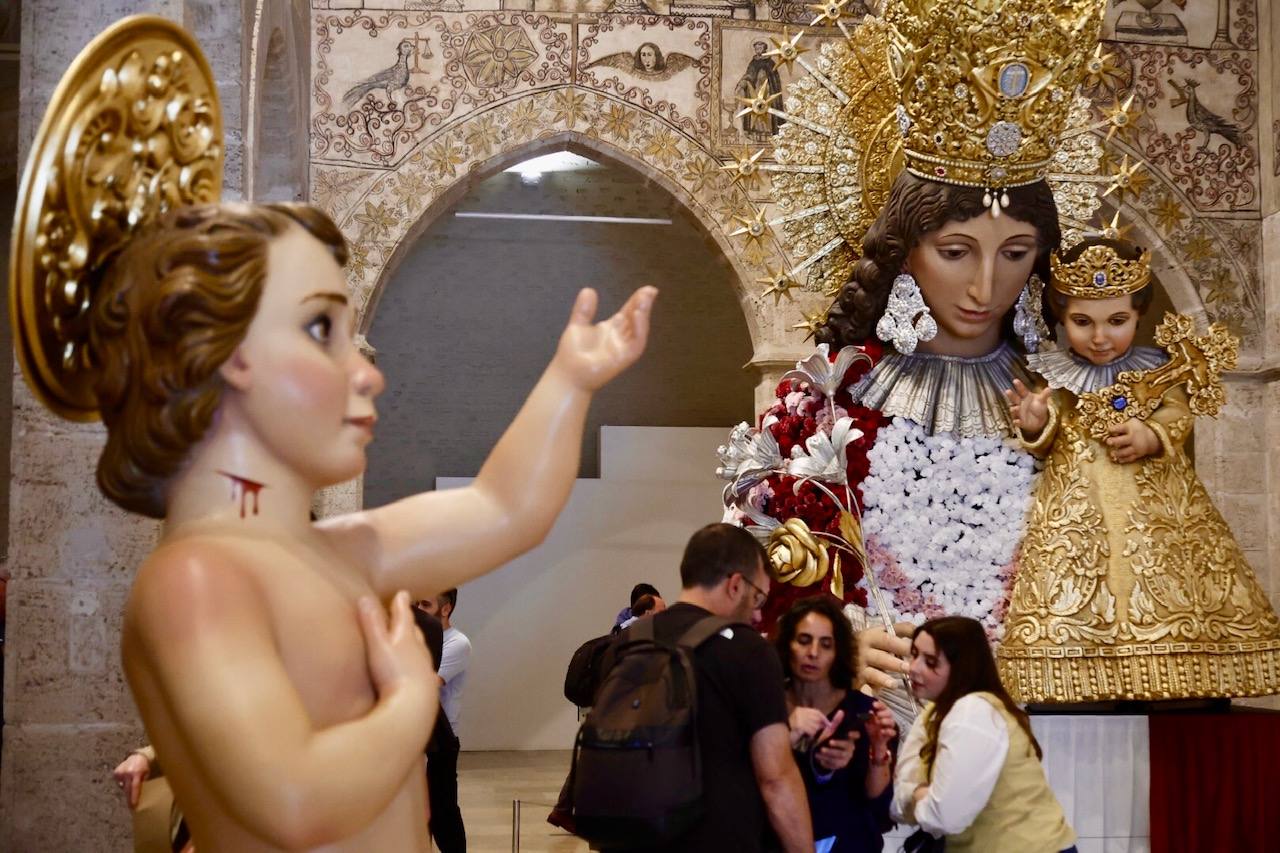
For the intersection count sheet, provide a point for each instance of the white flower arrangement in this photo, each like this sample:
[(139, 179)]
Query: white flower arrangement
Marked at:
[(943, 519)]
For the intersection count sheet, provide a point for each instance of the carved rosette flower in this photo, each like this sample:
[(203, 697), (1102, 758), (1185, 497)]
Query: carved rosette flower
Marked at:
[(497, 54)]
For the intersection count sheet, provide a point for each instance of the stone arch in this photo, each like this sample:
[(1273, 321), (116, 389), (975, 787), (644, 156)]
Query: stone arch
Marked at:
[(276, 153), (401, 204), (1189, 250)]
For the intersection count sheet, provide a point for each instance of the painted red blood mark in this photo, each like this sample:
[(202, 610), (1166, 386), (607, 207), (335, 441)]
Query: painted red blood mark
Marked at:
[(242, 488)]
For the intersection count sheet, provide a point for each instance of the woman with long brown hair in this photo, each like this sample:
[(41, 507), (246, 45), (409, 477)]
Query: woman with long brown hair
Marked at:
[(970, 768), (842, 739)]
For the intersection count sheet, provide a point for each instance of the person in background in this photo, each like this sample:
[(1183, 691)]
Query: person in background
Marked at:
[(970, 767), (646, 605), (140, 766), (637, 591), (754, 790), (842, 739), (445, 818), (455, 657)]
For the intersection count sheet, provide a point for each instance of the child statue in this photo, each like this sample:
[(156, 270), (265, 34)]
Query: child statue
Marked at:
[(1130, 584), (215, 341)]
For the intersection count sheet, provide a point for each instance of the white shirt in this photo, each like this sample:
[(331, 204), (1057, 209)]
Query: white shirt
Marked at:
[(454, 657), (973, 742)]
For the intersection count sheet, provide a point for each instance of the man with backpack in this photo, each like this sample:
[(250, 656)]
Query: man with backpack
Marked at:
[(686, 747)]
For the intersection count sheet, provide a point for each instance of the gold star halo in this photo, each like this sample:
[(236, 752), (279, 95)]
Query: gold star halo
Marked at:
[(1120, 118), (833, 13), (780, 284), (812, 323), (1127, 178), (1113, 230), (787, 50), (755, 228), (1101, 71), (758, 103), (746, 170)]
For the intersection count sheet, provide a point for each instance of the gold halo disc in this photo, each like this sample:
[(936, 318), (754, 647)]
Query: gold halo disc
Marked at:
[(133, 130)]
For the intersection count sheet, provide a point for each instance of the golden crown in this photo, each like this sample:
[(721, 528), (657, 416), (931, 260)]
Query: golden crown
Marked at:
[(1100, 273), (986, 86)]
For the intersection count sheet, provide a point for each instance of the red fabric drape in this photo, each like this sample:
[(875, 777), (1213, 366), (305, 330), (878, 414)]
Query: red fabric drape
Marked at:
[(1215, 782)]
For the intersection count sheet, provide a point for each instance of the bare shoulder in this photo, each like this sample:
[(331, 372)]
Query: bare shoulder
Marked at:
[(191, 585)]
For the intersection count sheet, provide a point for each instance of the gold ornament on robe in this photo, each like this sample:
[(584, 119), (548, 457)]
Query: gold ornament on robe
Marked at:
[(1130, 584), (133, 130), (1195, 361)]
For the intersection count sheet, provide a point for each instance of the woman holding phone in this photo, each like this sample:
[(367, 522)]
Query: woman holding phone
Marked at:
[(843, 740), (970, 769)]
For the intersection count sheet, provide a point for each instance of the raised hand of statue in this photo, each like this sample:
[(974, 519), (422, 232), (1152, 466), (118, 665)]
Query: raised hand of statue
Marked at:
[(1131, 441), (1030, 409), (881, 657), (590, 354), (397, 655)]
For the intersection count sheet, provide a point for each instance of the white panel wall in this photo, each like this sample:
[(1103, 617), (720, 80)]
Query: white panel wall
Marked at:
[(657, 486)]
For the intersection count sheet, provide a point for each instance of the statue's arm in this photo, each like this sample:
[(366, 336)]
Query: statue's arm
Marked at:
[(199, 649), (437, 540)]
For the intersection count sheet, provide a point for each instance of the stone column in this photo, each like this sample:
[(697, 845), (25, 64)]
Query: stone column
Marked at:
[(69, 718)]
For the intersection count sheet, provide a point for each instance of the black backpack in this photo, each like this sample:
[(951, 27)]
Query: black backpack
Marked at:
[(637, 769), (583, 676)]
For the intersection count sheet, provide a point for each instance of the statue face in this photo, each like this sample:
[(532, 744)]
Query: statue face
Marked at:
[(970, 274), (298, 385), (648, 59), (1101, 330)]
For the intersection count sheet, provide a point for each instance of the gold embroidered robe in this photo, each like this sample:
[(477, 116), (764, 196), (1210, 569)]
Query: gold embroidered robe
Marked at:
[(1130, 584)]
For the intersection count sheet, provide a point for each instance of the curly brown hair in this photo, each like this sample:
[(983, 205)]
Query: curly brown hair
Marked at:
[(845, 664), (173, 306), (916, 207)]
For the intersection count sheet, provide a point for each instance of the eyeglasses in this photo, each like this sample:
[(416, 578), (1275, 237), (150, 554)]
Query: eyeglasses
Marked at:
[(762, 596)]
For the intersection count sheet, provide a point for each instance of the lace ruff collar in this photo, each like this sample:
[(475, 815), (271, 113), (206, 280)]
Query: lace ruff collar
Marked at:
[(945, 393), (1064, 369)]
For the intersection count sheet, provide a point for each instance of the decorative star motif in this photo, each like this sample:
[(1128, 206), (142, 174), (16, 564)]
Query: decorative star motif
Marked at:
[(834, 12), (787, 49), (745, 169), (1120, 117), (758, 104), (754, 227), (811, 323), (1169, 214), (1101, 71), (780, 284), (1113, 230), (1127, 179)]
